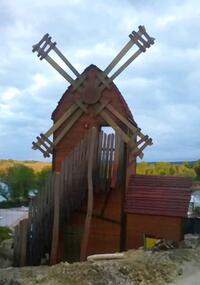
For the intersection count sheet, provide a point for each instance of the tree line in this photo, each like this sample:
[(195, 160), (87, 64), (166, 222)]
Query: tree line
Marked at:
[(166, 168), (22, 181)]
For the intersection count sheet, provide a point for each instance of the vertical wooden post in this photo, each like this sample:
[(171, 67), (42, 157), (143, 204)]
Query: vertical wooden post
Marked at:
[(88, 219), (123, 222), (16, 246), (56, 218), (23, 241)]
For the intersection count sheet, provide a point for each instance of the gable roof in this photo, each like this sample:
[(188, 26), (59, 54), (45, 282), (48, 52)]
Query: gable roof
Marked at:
[(113, 86), (158, 195)]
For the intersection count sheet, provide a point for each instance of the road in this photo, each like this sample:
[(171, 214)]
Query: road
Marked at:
[(11, 217)]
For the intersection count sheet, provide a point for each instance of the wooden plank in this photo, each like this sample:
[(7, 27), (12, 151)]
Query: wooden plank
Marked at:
[(85, 238), (123, 226), (82, 106), (102, 165), (56, 224), (121, 54), (60, 121), (23, 241), (43, 143), (111, 159), (112, 123), (106, 162), (126, 64), (116, 161), (121, 118), (46, 139), (118, 57), (65, 130), (59, 69), (103, 104), (101, 75), (66, 61), (37, 146), (16, 246)]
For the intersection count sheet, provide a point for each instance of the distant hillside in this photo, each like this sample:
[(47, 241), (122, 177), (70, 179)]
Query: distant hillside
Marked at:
[(37, 166)]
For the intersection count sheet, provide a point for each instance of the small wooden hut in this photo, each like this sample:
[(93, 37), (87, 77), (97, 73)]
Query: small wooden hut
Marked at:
[(156, 206)]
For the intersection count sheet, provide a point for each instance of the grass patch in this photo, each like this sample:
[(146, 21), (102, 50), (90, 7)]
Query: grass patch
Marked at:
[(5, 233)]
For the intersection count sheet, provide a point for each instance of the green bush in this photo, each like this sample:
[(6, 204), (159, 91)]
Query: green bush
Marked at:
[(5, 233)]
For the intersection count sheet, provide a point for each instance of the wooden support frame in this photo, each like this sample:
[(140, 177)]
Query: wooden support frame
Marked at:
[(55, 232), (64, 117), (134, 39), (73, 120), (39, 143), (126, 138), (82, 106), (123, 219), (88, 219)]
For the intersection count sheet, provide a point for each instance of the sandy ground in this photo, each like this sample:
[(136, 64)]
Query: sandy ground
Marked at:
[(138, 267), (190, 276)]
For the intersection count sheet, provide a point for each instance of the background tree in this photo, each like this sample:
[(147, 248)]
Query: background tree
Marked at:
[(20, 179), (197, 168), (42, 177)]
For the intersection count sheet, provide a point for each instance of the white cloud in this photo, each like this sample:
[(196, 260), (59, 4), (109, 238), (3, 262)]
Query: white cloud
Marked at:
[(10, 94), (161, 86)]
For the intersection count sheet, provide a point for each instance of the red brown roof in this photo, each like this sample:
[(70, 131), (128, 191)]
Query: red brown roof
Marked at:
[(158, 195)]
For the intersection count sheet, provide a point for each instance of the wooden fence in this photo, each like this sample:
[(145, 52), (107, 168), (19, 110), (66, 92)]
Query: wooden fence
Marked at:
[(91, 166)]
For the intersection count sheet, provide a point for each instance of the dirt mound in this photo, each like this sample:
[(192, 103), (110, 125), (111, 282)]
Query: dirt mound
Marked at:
[(137, 268)]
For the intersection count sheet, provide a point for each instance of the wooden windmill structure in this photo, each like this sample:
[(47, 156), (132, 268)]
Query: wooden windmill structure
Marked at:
[(93, 202), (83, 201), (91, 100)]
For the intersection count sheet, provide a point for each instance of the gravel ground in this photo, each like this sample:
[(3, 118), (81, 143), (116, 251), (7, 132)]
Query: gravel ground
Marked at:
[(178, 266)]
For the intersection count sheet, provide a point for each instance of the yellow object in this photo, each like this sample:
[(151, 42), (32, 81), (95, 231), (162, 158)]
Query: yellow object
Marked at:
[(150, 242)]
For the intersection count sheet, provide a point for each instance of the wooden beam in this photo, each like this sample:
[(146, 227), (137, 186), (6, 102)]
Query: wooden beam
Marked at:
[(135, 130), (121, 118), (106, 82), (138, 151), (60, 121), (43, 143), (134, 56), (46, 139), (73, 120), (56, 218), (66, 61), (59, 69), (123, 222), (133, 143), (121, 54), (112, 123), (104, 103), (37, 146), (23, 241), (82, 106), (88, 219)]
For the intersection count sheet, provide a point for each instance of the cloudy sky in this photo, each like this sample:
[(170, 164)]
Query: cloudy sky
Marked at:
[(162, 86)]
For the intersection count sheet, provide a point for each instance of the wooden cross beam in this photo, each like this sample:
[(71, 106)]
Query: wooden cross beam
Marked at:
[(103, 109), (141, 39), (43, 47), (44, 144)]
